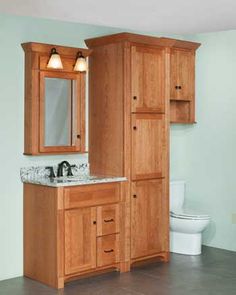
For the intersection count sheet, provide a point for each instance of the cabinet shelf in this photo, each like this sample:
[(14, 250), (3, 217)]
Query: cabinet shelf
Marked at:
[(183, 122), (181, 112), (180, 99)]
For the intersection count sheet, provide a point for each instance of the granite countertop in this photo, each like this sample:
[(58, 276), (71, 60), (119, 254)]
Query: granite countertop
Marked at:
[(73, 181), (39, 175)]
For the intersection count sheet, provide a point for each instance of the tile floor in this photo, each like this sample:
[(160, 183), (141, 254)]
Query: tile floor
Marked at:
[(212, 273)]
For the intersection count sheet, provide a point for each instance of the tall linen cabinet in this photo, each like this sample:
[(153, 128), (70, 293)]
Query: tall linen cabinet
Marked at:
[(129, 93)]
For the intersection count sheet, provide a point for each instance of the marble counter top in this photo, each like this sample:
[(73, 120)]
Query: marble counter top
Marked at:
[(73, 181)]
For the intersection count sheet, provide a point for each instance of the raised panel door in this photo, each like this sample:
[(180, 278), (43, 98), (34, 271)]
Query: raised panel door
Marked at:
[(182, 74), (149, 218), (186, 61), (149, 144), (148, 79), (80, 240), (174, 75)]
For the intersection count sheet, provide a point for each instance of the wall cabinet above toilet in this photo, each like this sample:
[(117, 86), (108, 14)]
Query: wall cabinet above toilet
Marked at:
[(182, 84)]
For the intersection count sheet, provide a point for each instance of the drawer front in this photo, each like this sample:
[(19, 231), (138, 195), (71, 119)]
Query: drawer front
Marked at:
[(91, 195), (108, 220), (108, 250)]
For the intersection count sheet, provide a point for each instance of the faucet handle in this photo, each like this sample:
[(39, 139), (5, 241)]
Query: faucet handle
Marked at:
[(52, 174), (69, 171)]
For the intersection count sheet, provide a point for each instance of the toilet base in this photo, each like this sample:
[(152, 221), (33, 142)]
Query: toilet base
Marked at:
[(188, 244)]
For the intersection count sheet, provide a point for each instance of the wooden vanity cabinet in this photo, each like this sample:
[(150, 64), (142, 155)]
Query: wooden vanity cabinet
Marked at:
[(74, 231)]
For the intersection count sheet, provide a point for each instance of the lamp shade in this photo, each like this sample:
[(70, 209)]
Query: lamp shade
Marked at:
[(81, 64), (55, 60)]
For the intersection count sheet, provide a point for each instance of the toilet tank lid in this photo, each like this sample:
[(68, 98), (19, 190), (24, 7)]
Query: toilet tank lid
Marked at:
[(177, 182)]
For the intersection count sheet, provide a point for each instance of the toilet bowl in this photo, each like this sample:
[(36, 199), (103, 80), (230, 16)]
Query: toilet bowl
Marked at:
[(186, 226)]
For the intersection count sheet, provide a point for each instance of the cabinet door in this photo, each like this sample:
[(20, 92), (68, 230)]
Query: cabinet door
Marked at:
[(80, 240), (149, 218), (149, 142), (182, 74), (148, 79)]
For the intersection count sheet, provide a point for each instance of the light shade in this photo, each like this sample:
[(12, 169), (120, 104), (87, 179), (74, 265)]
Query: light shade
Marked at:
[(81, 64), (55, 60)]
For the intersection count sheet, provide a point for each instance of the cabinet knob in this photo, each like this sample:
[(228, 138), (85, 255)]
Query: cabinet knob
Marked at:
[(135, 128), (135, 196), (78, 135), (178, 87), (135, 97), (94, 222)]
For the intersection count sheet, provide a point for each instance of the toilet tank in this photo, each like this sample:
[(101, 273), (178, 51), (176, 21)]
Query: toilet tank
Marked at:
[(177, 193)]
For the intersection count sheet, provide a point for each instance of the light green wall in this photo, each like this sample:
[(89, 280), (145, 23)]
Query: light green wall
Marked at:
[(201, 154), (208, 160)]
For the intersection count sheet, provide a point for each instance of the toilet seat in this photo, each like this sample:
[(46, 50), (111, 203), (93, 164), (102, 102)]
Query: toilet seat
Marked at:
[(190, 215)]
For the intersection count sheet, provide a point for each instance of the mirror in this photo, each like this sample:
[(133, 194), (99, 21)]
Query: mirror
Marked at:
[(62, 112), (59, 112)]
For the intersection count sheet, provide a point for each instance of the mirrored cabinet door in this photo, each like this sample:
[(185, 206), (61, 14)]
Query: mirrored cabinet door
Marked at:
[(54, 99), (61, 116), (59, 112)]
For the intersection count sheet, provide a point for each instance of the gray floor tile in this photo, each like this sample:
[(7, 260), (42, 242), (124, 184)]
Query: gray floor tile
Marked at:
[(212, 273)]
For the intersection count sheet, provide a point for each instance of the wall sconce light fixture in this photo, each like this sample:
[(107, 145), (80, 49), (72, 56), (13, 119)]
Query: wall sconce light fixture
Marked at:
[(81, 64), (55, 60)]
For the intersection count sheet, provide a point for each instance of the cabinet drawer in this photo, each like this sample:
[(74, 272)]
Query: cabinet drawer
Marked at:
[(108, 250), (108, 220), (91, 195)]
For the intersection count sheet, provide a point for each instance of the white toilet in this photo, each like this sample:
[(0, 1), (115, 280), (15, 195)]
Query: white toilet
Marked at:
[(186, 226)]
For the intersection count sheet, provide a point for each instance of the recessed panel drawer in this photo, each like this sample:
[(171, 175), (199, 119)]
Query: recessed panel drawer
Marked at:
[(108, 250), (108, 219), (91, 195)]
